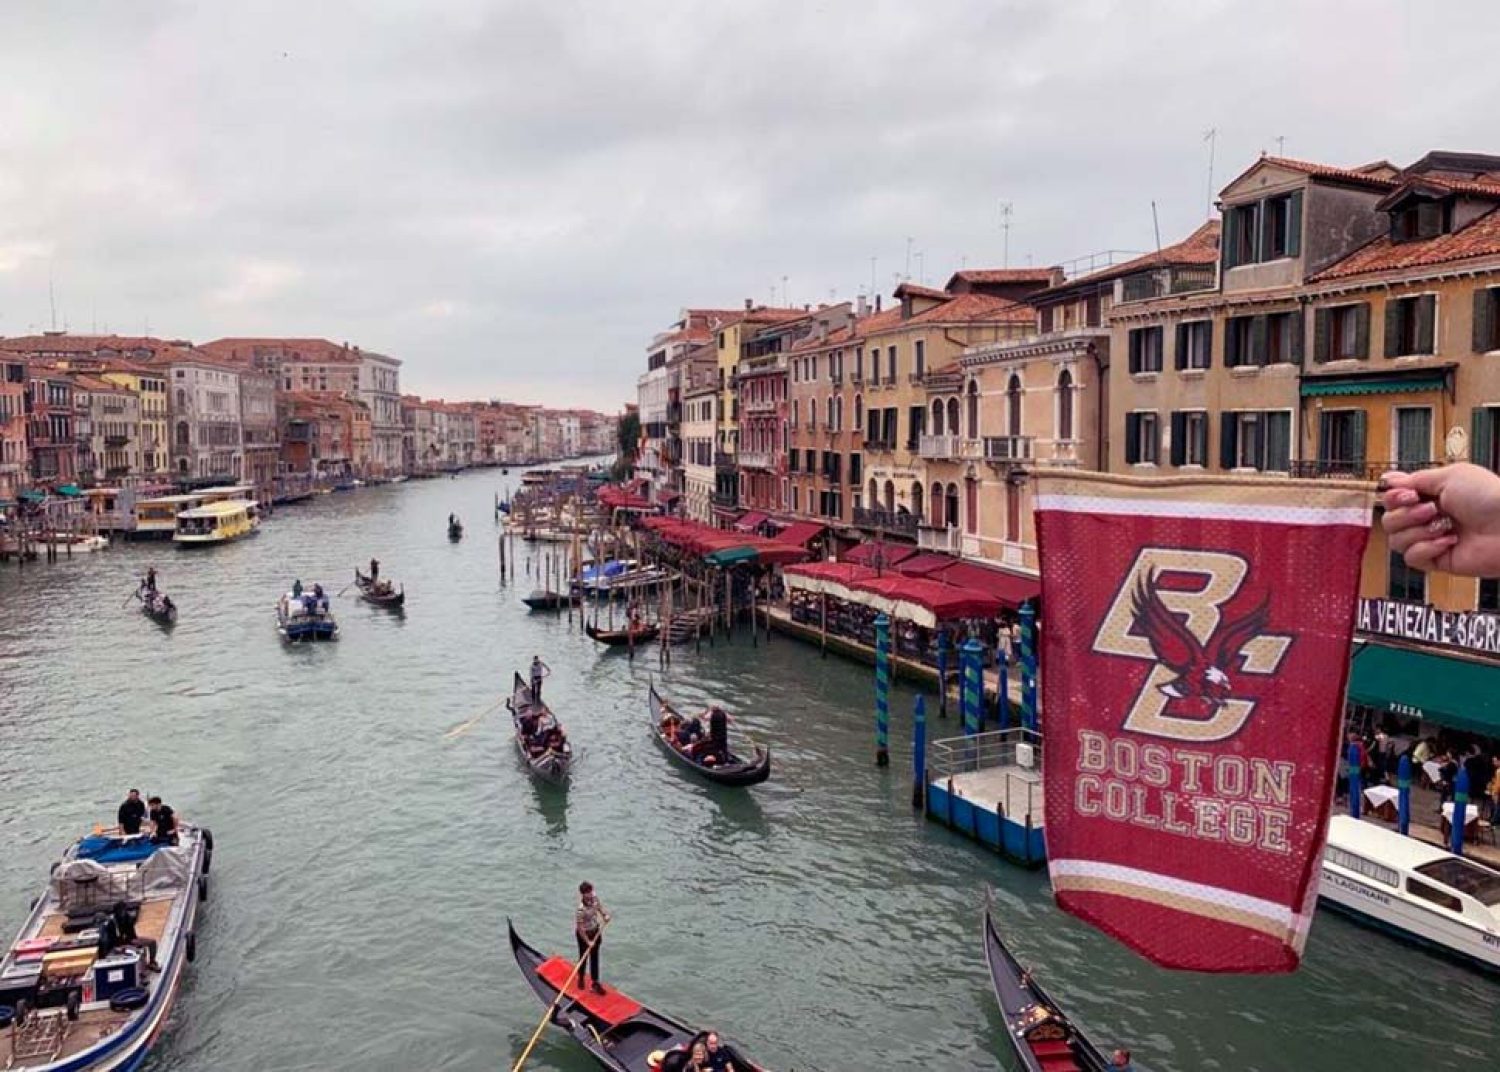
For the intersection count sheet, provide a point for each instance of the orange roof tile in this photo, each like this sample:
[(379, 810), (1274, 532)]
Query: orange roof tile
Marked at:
[(1479, 239), (1199, 248), (241, 349), (1004, 275), (918, 291), (1359, 176), (974, 308)]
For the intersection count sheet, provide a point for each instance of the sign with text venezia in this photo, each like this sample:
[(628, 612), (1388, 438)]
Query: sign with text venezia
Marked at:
[(1195, 646)]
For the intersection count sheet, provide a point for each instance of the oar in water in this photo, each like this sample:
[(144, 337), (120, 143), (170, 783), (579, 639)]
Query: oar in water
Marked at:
[(464, 727), (133, 595), (561, 993)]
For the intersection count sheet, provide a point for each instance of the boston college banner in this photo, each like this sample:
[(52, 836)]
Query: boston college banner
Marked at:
[(1195, 648)]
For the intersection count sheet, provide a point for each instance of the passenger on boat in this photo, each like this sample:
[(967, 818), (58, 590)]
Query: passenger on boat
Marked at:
[(718, 734), (528, 722), (163, 822), (539, 670), (554, 740), (297, 588), (1120, 1060), (588, 928), (132, 813), (718, 1057), (698, 1059), (151, 579), (689, 733), (167, 605)]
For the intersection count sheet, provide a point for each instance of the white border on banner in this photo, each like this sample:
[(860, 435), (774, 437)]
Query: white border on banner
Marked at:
[(1255, 512)]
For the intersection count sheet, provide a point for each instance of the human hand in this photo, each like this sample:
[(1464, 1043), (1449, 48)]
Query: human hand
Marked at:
[(1446, 518)]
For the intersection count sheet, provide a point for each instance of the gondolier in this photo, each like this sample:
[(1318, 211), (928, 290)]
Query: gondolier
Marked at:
[(588, 928), (539, 670), (374, 570)]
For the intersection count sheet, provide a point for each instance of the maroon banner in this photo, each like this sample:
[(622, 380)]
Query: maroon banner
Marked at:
[(1194, 654)]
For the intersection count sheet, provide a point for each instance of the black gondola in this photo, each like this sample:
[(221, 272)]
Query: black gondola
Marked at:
[(156, 606), (644, 633), (620, 1033), (550, 765), (1042, 1036), (379, 593), (542, 599), (455, 531), (736, 771)]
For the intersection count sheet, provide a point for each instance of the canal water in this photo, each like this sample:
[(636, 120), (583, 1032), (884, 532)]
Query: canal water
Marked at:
[(367, 862)]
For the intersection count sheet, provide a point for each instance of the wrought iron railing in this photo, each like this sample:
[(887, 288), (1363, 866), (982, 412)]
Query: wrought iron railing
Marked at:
[(1008, 450), (1340, 469), (886, 520), (1016, 751)]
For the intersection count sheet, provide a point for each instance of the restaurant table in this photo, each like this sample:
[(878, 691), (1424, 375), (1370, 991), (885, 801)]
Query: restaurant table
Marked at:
[(1382, 801), (1471, 820)]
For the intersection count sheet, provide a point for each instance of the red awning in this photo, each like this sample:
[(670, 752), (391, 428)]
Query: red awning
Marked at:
[(943, 600), (800, 532), (891, 553), (925, 564), (750, 522), (1010, 589), (839, 572)]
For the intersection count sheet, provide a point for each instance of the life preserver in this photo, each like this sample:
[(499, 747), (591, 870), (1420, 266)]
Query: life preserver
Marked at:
[(130, 998)]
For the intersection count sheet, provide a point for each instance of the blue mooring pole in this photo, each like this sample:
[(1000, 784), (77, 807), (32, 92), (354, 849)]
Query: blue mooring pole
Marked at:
[(1028, 666), (882, 691), (970, 659), (1460, 812), (942, 658), (1002, 698), (1351, 763), (919, 753), (1403, 795)]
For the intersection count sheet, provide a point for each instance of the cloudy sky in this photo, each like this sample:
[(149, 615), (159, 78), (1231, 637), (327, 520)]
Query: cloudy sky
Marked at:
[(513, 197)]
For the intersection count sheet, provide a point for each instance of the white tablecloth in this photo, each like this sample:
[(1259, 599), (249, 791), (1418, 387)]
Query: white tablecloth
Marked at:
[(1471, 814), (1377, 795), (1433, 769)]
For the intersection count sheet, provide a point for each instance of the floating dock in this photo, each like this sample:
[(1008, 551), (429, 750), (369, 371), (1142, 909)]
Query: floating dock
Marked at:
[(989, 786)]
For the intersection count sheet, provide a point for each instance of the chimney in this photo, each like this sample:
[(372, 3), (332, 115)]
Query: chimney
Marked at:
[(877, 303), (862, 306), (749, 304)]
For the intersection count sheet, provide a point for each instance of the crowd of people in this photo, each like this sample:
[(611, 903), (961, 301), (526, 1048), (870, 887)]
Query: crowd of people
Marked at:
[(312, 602), (1435, 758), (705, 1053)]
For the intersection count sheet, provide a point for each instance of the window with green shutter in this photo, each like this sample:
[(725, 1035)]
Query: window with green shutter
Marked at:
[(1278, 456), (1406, 584), (1411, 325), (1482, 439), (1341, 332), (1486, 320), (1179, 437), (1413, 436)]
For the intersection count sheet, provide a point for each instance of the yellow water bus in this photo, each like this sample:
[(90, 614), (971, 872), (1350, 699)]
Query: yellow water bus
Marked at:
[(218, 522)]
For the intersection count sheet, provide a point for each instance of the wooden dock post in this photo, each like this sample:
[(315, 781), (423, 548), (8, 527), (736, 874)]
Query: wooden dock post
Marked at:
[(754, 623), (728, 605), (1028, 666)]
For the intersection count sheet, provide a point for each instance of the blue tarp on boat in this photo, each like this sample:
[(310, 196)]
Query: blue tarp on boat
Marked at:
[(113, 850)]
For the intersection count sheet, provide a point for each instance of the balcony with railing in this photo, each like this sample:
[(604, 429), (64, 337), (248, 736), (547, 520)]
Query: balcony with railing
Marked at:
[(886, 521), (879, 443), (836, 379), (115, 442), (1342, 469), (1009, 449), (756, 459), (761, 405), (945, 538), (938, 447)]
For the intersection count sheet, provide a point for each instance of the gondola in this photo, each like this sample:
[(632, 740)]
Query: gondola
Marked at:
[(372, 594), (542, 599), (549, 766), (620, 1033), (455, 531), (644, 633), (1042, 1036), (156, 606), (736, 771)]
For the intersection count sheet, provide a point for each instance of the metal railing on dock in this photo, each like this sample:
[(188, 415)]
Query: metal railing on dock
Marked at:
[(1017, 748)]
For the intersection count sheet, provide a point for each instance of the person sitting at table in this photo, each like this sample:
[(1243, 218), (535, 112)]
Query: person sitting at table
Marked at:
[(1423, 752), (1492, 791), (1447, 773)]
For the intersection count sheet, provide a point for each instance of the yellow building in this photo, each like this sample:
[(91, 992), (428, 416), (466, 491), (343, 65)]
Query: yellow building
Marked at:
[(150, 386)]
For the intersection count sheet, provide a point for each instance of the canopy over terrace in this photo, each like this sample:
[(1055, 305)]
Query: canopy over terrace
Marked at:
[(914, 599), (618, 498), (721, 548)]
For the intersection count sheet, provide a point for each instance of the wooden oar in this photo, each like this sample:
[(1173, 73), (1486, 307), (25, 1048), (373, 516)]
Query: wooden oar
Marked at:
[(133, 595), (464, 727), (562, 992)]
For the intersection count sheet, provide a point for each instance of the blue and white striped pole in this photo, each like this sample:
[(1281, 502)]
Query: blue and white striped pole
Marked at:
[(1403, 795), (1002, 693), (942, 661), (1460, 812), (1028, 666), (971, 659), (882, 691), (919, 753), (1351, 759)]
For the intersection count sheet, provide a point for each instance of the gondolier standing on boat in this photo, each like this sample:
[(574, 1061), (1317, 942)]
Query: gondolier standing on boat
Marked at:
[(374, 571), (132, 813), (588, 928), (151, 579), (539, 670)]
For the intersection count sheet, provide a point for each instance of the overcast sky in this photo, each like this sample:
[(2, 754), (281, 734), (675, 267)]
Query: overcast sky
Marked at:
[(513, 197)]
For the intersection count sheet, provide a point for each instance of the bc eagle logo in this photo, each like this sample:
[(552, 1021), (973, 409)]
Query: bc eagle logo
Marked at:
[(1203, 670)]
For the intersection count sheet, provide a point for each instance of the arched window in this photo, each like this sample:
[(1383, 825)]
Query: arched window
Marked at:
[(971, 506), (1065, 405), (937, 416), (792, 412), (874, 497), (890, 496), (181, 399), (935, 504), (916, 500), (950, 513), (812, 414), (1013, 406), (859, 412), (838, 414), (831, 425), (973, 409), (953, 428), (184, 434)]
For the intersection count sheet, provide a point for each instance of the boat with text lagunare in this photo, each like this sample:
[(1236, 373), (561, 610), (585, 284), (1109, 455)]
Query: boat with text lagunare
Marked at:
[(89, 982), (1414, 890)]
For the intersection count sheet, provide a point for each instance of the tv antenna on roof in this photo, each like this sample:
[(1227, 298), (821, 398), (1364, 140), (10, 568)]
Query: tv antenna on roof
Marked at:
[(1281, 145), (1211, 135), (1005, 214)]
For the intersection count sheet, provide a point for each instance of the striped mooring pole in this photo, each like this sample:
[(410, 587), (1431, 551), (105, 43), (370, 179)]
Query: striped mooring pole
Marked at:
[(1028, 666), (1460, 812), (942, 667), (971, 658), (882, 691), (1002, 692), (1403, 795), (919, 753), (1356, 790)]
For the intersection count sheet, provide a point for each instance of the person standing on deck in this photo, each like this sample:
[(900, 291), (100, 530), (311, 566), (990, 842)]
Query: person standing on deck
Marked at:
[(163, 822), (539, 670), (151, 579), (374, 570), (132, 813), (588, 928)]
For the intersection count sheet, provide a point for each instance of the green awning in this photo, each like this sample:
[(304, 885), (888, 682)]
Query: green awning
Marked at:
[(1458, 693), (732, 555), (70, 490), (1375, 385), (33, 496)]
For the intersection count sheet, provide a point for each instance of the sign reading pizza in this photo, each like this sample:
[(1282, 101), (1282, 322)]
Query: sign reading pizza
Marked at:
[(1195, 656)]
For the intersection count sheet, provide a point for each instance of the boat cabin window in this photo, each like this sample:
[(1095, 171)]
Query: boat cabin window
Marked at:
[(1480, 883), (1361, 866), (1441, 898)]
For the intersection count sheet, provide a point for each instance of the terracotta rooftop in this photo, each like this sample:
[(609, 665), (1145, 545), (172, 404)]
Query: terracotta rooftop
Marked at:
[(1003, 275), (243, 349), (90, 382), (973, 308), (916, 290), (1199, 248), (64, 343), (1374, 175), (1480, 238)]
